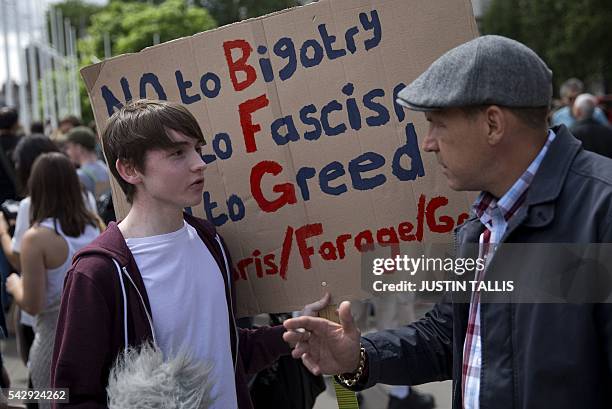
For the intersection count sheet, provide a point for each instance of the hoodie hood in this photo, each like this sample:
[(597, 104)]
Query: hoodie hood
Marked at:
[(110, 243)]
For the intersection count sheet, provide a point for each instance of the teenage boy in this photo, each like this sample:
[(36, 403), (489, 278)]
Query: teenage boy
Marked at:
[(160, 275)]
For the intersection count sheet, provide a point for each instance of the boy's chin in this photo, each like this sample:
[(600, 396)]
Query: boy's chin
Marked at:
[(194, 202)]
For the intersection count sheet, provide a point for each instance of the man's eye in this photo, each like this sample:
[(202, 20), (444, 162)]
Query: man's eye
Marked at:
[(199, 150), (178, 152)]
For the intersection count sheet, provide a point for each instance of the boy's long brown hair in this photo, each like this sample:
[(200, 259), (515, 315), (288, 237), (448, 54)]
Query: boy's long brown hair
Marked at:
[(56, 193)]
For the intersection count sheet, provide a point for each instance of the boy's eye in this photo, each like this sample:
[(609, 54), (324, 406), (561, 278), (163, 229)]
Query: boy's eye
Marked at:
[(178, 152)]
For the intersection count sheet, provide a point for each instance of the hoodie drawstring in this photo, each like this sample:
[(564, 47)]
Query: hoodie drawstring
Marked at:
[(144, 306), (125, 331)]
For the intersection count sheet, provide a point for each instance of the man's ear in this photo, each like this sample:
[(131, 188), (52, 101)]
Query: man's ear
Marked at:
[(496, 123), (128, 172)]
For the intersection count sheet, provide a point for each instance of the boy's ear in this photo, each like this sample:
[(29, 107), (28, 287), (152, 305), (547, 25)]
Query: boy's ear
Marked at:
[(128, 172)]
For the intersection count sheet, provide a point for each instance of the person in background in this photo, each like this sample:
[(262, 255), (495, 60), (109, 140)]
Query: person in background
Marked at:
[(570, 89), (9, 126), (9, 136), (63, 127), (61, 225), (594, 136), (67, 123), (27, 151), (81, 149), (37, 127)]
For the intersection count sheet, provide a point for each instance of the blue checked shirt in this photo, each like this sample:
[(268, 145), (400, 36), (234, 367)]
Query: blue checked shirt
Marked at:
[(494, 215)]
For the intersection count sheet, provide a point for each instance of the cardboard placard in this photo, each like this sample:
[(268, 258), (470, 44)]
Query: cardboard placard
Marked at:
[(310, 159)]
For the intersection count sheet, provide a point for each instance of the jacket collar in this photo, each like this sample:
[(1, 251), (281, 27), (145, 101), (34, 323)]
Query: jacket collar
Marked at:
[(545, 188), (551, 175)]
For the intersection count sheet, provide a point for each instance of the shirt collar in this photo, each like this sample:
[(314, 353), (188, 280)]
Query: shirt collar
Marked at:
[(514, 197)]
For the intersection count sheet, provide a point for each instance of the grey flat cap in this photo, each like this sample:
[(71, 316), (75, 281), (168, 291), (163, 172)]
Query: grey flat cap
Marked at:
[(489, 70)]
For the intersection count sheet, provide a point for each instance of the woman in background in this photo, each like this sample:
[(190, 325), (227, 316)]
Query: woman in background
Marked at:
[(28, 149), (61, 225), (26, 152)]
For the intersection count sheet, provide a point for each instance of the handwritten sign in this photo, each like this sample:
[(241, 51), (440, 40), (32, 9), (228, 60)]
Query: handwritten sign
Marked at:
[(311, 162)]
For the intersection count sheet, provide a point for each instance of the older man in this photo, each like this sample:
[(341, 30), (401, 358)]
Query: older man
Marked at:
[(569, 90), (487, 102), (594, 136)]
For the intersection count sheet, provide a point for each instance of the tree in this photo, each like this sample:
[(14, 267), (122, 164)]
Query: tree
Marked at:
[(133, 26), (256, 8), (79, 13), (572, 36), (231, 11)]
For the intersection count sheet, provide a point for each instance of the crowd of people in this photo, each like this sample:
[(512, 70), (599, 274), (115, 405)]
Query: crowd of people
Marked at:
[(50, 194), (89, 290)]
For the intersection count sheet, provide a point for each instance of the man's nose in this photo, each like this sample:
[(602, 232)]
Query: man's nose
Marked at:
[(429, 144)]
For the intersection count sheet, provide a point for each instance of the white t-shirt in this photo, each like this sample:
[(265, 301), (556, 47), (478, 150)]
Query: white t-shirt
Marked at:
[(187, 296)]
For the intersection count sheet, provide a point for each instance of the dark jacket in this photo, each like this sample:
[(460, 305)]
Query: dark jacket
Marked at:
[(8, 190), (534, 356), (90, 330), (594, 136)]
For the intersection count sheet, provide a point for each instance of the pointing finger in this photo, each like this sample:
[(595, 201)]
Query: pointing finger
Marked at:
[(309, 323)]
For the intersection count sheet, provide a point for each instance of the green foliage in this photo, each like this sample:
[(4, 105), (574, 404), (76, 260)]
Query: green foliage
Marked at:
[(79, 13), (572, 36), (231, 11), (256, 8), (133, 25)]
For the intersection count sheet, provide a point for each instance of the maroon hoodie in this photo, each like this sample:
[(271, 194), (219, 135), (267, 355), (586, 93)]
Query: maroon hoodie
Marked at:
[(91, 326)]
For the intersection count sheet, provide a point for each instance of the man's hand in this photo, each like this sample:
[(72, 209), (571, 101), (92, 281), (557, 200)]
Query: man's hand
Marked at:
[(312, 310), (324, 346)]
